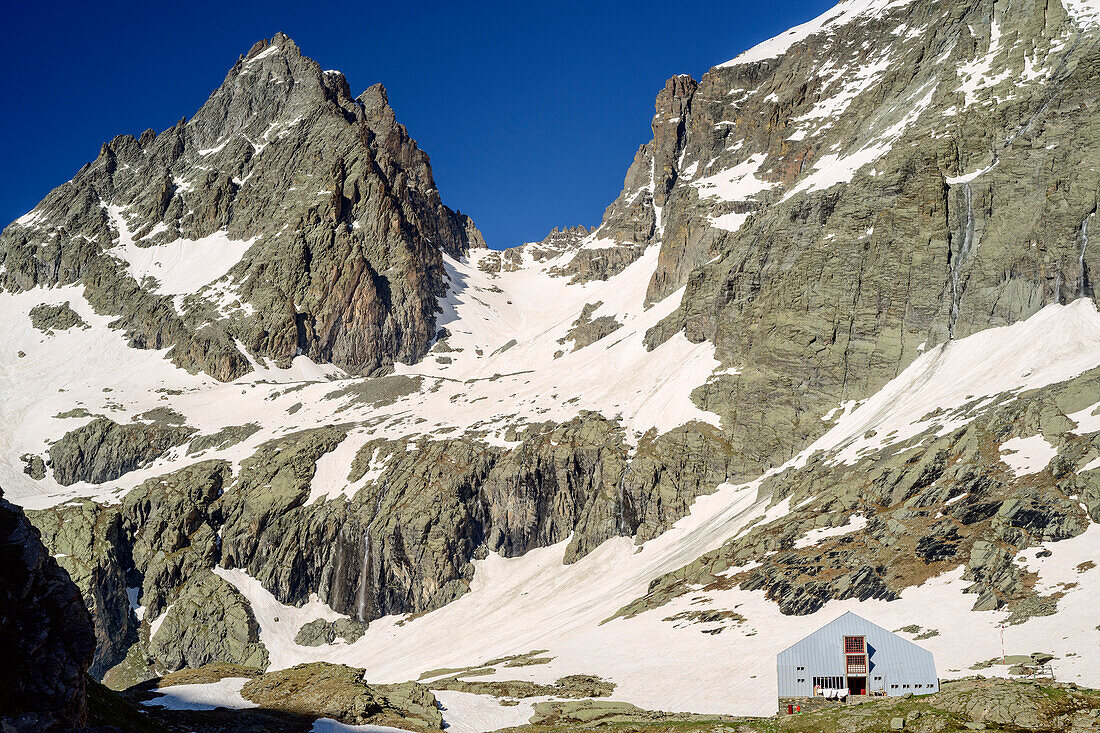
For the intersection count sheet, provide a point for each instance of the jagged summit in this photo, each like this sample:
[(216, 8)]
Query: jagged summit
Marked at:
[(315, 215)]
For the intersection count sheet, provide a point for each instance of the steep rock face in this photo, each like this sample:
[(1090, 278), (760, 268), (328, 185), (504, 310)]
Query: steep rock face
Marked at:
[(635, 217), (938, 501), (47, 634), (103, 450), (895, 175), (144, 548), (404, 543), (318, 213), (210, 621)]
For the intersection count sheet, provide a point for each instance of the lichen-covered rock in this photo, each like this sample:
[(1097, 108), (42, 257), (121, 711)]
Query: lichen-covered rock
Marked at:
[(917, 509), (103, 450), (88, 541), (404, 544), (349, 275), (34, 466), (142, 549), (50, 318), (170, 532), (46, 639), (819, 290), (571, 686), (320, 631), (209, 621), (339, 692), (587, 330), (224, 438)]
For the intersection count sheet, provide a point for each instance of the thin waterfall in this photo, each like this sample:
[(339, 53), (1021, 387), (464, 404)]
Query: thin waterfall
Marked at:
[(364, 580), (959, 259), (622, 499), (1082, 276)]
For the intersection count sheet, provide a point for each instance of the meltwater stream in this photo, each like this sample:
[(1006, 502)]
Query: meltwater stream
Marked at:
[(959, 258)]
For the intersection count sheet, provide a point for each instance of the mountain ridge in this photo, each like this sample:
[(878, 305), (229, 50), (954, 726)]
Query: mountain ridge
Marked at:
[(833, 347), (364, 317)]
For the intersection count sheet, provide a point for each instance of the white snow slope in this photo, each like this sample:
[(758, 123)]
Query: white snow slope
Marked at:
[(535, 601), (512, 363)]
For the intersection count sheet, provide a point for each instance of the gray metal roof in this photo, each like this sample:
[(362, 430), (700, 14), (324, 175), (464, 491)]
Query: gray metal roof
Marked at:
[(896, 660)]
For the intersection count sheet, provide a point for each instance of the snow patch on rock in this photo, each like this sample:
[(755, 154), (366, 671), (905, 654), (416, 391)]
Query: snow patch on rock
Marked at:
[(1027, 455)]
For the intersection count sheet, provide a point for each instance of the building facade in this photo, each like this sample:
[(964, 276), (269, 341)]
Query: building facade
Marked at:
[(855, 656)]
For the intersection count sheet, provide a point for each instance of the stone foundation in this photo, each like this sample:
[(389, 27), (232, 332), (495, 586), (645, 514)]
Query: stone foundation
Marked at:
[(808, 704)]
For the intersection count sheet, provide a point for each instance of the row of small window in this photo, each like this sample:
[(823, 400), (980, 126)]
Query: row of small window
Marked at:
[(830, 683), (838, 682)]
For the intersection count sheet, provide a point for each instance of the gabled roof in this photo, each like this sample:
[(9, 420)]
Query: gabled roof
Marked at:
[(853, 622)]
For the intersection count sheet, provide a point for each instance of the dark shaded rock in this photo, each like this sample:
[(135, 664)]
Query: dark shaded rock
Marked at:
[(47, 636)]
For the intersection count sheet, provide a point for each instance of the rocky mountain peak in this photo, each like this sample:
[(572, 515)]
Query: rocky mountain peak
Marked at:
[(375, 99), (319, 209), (268, 89)]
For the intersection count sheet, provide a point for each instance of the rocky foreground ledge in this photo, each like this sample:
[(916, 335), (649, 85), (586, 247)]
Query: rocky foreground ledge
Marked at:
[(292, 700)]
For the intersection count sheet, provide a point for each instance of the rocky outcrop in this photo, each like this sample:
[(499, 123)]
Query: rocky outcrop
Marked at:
[(103, 450), (961, 705), (406, 540), (50, 318), (587, 330), (339, 692), (223, 438), (571, 686), (825, 225), (47, 634), (34, 466), (930, 504), (598, 262), (209, 621), (403, 544), (339, 202), (142, 549), (319, 631), (1021, 706)]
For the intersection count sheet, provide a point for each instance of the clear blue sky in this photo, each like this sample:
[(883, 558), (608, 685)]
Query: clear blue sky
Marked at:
[(531, 112)]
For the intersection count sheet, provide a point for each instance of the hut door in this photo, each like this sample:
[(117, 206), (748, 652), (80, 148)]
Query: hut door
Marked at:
[(855, 664)]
